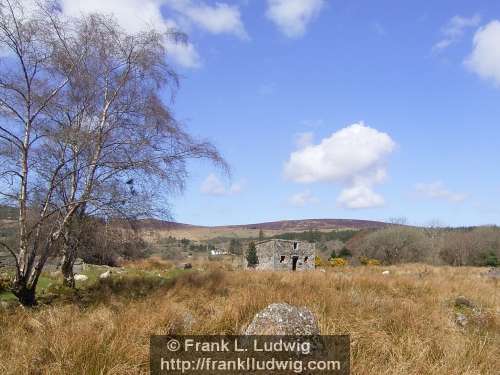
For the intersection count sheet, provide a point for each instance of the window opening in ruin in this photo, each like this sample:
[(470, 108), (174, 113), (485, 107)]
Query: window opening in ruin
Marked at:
[(295, 245), (282, 259), (305, 259)]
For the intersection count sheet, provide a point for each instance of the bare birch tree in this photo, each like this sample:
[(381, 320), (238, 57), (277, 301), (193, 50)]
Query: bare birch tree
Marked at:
[(85, 130), (30, 39), (127, 149)]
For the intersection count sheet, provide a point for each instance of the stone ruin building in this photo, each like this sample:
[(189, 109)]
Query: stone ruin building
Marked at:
[(285, 255)]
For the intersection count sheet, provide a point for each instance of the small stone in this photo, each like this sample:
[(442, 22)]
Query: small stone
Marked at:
[(385, 273), (105, 275), (461, 319), (81, 277), (188, 320), (493, 272)]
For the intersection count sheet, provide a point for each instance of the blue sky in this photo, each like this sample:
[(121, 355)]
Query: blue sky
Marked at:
[(335, 109)]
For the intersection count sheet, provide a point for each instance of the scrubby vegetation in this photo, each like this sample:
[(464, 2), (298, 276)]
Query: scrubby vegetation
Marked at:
[(396, 244), (107, 245), (478, 246), (318, 236)]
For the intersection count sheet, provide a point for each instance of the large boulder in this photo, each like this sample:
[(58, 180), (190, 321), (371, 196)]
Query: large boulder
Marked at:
[(283, 319)]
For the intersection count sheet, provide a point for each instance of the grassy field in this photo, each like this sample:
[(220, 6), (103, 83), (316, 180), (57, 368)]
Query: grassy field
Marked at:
[(400, 323)]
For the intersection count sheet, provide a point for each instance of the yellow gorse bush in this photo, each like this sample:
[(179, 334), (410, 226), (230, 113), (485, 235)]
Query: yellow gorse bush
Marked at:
[(338, 262)]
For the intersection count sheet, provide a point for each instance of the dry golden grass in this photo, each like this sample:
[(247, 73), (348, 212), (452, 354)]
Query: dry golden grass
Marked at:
[(401, 323), (149, 264)]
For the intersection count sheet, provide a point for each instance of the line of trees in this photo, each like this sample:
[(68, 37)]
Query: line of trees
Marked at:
[(83, 130), (314, 235), (478, 246)]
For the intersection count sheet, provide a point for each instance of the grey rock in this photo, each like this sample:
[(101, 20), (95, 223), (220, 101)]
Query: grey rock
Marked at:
[(461, 319), (493, 272), (283, 319), (81, 278), (105, 275)]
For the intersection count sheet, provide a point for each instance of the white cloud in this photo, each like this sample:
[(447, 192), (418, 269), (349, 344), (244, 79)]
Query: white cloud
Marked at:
[(184, 54), (134, 16), (351, 152), (212, 185), (235, 188), (220, 18), (302, 199), (359, 196), (353, 156), (485, 57), (437, 190), (293, 16), (454, 30)]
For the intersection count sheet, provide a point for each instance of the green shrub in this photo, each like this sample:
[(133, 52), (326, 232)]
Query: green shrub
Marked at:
[(5, 283), (490, 259), (345, 253), (252, 258)]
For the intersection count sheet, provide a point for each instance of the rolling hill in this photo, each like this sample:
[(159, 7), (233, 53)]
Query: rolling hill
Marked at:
[(155, 229)]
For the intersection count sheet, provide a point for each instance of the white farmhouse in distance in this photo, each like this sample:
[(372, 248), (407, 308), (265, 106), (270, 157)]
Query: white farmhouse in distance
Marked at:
[(219, 252)]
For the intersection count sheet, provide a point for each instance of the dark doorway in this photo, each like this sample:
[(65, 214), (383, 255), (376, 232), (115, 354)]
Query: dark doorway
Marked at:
[(294, 262)]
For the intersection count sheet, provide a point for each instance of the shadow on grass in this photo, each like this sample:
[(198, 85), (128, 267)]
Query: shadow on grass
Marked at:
[(127, 285)]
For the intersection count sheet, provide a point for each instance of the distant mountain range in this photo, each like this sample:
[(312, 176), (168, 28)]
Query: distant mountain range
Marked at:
[(10, 213), (154, 228), (281, 225)]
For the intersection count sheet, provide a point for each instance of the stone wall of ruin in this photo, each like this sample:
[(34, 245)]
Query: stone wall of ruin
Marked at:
[(270, 253)]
